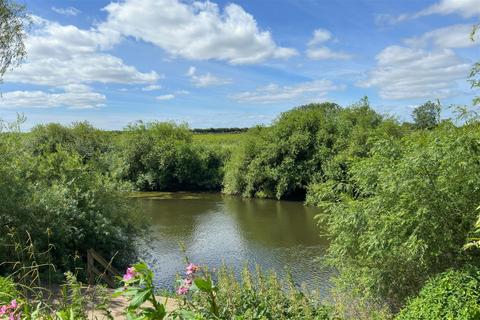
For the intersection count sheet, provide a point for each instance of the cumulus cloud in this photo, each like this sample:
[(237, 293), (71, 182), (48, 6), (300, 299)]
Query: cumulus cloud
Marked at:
[(72, 96), (273, 93), (64, 54), (455, 36), (196, 30), (411, 73), (70, 11), (464, 8), (166, 97), (323, 52), (205, 80)]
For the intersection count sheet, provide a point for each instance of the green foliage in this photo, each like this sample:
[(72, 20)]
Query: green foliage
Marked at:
[(414, 209), (475, 72), (427, 116), (312, 144), (13, 24), (8, 291), (259, 296), (62, 200), (139, 290), (161, 156), (74, 303), (454, 294)]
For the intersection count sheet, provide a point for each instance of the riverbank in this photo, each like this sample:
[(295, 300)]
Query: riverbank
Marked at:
[(118, 306)]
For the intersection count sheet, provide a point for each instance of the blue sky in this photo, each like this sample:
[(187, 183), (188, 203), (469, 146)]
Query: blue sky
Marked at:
[(237, 64)]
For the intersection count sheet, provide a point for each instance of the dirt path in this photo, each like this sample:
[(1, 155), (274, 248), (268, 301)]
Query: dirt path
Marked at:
[(118, 306)]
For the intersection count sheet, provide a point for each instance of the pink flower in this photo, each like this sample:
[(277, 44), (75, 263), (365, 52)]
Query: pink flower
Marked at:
[(182, 290), (3, 310), (13, 304), (191, 269), (187, 282), (131, 273)]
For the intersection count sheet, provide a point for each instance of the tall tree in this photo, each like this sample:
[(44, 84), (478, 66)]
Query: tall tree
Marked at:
[(13, 23), (427, 116)]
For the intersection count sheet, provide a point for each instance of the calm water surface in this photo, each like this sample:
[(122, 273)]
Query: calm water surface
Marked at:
[(214, 228)]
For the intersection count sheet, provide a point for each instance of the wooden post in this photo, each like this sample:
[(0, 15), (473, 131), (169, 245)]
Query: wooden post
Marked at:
[(108, 274), (91, 276)]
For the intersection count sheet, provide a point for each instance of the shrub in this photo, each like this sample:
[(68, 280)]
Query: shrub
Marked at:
[(8, 291), (63, 202), (454, 294), (311, 144), (162, 157), (412, 215)]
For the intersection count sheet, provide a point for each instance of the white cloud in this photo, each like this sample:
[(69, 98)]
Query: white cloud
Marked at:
[(205, 80), (464, 8), (73, 97), (455, 36), (324, 53), (411, 73), (196, 30), (70, 11), (64, 54), (152, 87), (313, 90), (165, 97), (320, 36)]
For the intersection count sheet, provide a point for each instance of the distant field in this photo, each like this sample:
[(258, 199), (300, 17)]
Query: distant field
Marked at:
[(223, 139)]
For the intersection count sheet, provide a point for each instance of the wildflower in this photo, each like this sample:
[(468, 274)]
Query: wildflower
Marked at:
[(13, 304), (182, 290), (187, 282), (3, 310), (131, 273), (191, 269)]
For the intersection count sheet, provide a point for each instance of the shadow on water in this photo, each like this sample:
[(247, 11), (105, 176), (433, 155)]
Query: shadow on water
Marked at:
[(216, 228)]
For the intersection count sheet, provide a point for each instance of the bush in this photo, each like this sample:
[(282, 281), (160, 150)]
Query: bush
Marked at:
[(310, 144), (162, 157), (454, 294), (414, 209), (65, 203)]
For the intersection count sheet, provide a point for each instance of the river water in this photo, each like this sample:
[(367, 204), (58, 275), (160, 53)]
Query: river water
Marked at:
[(215, 228)]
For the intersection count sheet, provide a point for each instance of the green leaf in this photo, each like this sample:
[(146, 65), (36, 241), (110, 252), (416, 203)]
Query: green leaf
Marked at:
[(203, 285), (139, 299)]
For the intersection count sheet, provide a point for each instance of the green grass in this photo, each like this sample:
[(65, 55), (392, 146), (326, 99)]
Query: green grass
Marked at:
[(220, 139)]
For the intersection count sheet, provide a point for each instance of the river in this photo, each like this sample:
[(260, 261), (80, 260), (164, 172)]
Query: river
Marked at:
[(216, 228)]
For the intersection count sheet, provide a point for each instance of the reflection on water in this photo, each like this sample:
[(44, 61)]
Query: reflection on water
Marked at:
[(216, 228)]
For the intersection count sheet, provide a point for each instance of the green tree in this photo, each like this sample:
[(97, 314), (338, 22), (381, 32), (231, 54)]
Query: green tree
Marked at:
[(414, 209), (62, 201), (427, 116), (13, 23), (311, 144), (159, 156)]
